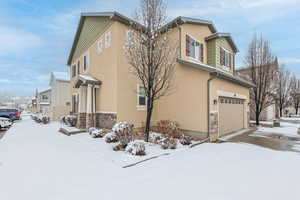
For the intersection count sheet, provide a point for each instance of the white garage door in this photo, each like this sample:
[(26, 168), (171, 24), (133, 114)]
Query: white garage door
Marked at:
[(231, 115)]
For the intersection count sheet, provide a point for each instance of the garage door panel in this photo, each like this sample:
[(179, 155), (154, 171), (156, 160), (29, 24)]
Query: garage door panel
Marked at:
[(231, 115)]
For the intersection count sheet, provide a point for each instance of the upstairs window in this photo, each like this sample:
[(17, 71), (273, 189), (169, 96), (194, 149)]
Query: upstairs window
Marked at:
[(141, 96), (44, 97), (86, 62), (78, 67), (107, 39), (100, 45), (225, 58), (73, 70), (194, 48)]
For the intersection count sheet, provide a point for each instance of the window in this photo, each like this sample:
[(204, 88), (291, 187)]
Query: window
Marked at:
[(107, 39), (78, 67), (225, 58), (86, 62), (141, 96), (194, 48), (44, 97), (129, 35), (73, 70), (100, 45)]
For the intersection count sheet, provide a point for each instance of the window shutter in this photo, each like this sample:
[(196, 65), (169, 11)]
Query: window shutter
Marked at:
[(201, 52), (233, 61), (221, 56), (230, 59), (78, 67), (187, 46)]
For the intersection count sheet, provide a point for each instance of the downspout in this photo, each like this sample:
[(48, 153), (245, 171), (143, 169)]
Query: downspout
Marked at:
[(213, 75)]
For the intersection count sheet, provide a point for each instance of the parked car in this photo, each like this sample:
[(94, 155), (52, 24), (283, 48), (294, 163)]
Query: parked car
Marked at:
[(12, 114), (5, 122)]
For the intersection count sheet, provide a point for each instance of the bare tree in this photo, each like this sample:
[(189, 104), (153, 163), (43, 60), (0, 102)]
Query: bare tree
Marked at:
[(283, 88), (295, 93), (262, 65), (151, 54)]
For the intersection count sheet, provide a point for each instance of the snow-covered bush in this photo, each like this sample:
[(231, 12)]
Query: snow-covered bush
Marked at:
[(169, 127), (111, 137), (45, 119), (124, 132), (96, 133), (69, 120), (136, 148), (41, 118), (168, 143), (185, 140)]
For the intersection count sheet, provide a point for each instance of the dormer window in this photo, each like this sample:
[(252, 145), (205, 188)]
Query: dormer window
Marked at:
[(194, 48), (225, 58)]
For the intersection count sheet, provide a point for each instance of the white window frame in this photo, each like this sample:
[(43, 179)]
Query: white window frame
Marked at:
[(199, 58), (100, 45), (107, 38), (129, 35), (228, 53), (140, 107), (87, 63)]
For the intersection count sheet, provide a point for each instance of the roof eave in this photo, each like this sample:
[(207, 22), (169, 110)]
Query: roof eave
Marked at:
[(220, 73)]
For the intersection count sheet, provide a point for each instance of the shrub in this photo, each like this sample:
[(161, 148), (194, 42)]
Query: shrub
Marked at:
[(136, 148), (96, 133), (45, 119), (168, 143), (69, 120), (124, 132), (111, 137), (169, 127), (185, 140)]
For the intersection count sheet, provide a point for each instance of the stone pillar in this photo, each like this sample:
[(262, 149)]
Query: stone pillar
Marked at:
[(213, 126)]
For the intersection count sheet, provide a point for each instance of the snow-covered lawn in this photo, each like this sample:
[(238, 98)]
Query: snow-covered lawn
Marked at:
[(37, 162)]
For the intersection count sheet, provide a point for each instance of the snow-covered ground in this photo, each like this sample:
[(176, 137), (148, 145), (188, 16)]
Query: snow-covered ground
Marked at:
[(37, 162), (286, 128)]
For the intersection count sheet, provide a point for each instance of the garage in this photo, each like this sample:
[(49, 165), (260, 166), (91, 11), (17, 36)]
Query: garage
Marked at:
[(231, 115)]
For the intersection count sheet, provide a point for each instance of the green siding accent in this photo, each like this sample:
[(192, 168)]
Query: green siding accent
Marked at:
[(213, 52), (91, 30)]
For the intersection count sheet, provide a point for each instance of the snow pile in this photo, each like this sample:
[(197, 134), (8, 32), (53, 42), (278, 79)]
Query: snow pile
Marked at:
[(286, 128), (136, 148), (96, 133), (69, 120)]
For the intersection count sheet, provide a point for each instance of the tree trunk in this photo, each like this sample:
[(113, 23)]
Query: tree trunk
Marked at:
[(148, 119), (280, 111), (257, 118), (296, 110)]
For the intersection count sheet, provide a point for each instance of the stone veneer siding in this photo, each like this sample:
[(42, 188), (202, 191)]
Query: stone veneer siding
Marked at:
[(213, 126), (90, 120), (81, 121), (106, 120)]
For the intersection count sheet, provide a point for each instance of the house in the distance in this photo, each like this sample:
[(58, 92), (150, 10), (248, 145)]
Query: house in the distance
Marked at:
[(60, 95), (43, 102), (209, 99)]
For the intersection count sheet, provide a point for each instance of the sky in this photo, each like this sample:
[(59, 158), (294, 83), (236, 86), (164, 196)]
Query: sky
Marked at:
[(36, 35)]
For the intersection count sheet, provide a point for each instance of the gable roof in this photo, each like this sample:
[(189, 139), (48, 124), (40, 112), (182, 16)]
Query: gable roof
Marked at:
[(62, 76), (126, 20), (226, 36), (221, 74)]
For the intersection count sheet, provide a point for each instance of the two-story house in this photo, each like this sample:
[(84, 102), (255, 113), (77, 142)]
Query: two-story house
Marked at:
[(60, 95), (43, 101), (209, 99)]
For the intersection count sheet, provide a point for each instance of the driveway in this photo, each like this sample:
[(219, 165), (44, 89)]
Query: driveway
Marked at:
[(275, 139)]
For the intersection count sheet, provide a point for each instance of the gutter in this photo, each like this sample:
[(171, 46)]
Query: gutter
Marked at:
[(212, 77)]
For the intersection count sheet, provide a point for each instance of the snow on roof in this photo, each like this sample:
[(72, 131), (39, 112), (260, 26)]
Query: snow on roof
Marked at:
[(88, 78), (44, 103), (61, 76)]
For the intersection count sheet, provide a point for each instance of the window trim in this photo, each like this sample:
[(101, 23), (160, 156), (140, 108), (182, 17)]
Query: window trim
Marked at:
[(189, 56), (86, 62), (100, 45), (140, 107), (107, 39), (230, 54)]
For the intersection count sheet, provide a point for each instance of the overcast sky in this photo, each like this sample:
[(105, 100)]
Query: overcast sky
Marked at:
[(36, 35)]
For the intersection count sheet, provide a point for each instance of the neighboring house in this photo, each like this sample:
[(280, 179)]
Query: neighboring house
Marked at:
[(60, 95), (105, 92), (269, 113), (43, 102)]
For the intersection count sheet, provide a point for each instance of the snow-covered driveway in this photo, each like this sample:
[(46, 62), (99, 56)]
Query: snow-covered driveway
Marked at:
[(38, 163)]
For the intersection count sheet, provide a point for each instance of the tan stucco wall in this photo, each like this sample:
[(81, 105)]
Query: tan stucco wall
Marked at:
[(102, 66)]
